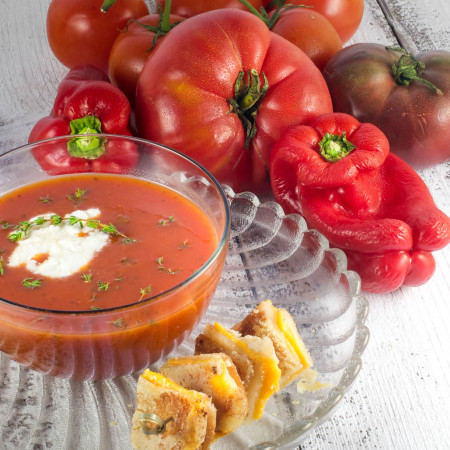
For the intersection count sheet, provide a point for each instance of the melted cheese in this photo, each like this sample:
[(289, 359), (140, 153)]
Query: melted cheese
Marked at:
[(265, 366), (297, 345)]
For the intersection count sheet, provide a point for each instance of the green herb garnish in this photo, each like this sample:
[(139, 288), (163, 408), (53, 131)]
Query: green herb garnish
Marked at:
[(32, 283), (86, 277), (145, 291), (103, 286), (78, 195), (23, 227), (45, 199)]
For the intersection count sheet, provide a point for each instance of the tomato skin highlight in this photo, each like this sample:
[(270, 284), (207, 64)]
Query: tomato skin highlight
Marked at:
[(78, 32), (183, 95), (130, 51), (414, 117)]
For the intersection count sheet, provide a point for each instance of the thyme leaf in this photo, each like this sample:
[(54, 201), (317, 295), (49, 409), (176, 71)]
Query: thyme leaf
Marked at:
[(145, 291), (32, 283)]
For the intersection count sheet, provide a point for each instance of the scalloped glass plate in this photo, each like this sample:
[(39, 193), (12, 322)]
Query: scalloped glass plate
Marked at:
[(271, 256)]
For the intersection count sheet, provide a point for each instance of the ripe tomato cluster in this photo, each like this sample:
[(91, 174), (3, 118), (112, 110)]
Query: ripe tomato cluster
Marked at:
[(238, 86)]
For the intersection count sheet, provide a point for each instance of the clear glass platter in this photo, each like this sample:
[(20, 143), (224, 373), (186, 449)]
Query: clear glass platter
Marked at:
[(271, 256)]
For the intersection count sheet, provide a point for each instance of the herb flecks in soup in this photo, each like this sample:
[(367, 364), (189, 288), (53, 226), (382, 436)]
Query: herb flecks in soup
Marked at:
[(84, 242)]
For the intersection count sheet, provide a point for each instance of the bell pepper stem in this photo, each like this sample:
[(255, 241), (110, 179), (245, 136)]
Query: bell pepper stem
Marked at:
[(334, 147), (106, 5), (89, 147)]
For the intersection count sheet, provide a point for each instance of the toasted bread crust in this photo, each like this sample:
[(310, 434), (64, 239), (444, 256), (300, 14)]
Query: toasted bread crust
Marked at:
[(263, 322), (215, 375), (254, 358), (193, 414)]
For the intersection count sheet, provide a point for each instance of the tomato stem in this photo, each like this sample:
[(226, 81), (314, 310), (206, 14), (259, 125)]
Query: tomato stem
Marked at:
[(334, 147), (407, 69), (106, 5), (164, 25), (270, 21), (248, 95), (164, 18)]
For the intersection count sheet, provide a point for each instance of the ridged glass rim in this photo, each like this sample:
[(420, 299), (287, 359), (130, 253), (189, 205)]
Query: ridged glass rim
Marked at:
[(157, 298)]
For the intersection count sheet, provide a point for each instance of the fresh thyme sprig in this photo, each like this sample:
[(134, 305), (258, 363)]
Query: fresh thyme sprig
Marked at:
[(45, 199), (103, 286), (165, 222), (23, 227), (32, 283), (86, 277), (145, 291), (78, 195)]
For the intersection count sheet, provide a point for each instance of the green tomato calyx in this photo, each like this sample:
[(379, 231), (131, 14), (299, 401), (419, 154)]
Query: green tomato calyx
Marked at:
[(248, 95), (407, 69)]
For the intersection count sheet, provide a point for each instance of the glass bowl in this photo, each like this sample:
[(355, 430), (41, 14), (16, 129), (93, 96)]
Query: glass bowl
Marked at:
[(113, 341), (270, 255)]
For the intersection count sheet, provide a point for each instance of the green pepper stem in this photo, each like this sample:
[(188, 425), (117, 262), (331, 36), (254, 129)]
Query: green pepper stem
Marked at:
[(106, 5), (407, 69), (88, 147), (334, 147)]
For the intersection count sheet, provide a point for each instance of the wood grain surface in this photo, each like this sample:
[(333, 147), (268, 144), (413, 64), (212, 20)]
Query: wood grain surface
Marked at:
[(401, 399)]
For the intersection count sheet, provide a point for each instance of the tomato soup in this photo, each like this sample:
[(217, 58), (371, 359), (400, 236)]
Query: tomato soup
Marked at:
[(94, 243)]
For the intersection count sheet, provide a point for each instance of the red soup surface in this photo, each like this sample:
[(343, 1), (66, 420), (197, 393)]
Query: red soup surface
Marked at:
[(94, 243)]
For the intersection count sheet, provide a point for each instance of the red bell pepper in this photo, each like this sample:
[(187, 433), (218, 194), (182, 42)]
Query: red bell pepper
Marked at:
[(86, 103), (339, 174)]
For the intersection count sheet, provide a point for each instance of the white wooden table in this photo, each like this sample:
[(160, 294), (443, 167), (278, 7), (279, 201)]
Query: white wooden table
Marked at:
[(401, 399)]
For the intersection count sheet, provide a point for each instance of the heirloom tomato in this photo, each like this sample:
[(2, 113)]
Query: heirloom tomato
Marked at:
[(134, 46), (222, 88), (344, 15), (407, 97), (189, 8), (80, 32)]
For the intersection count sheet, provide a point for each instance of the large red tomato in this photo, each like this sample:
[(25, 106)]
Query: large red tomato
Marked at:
[(344, 15), (80, 33), (222, 88), (189, 8), (132, 48), (407, 97)]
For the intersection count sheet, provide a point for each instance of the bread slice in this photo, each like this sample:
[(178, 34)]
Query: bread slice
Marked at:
[(254, 358), (193, 415), (278, 325), (215, 375)]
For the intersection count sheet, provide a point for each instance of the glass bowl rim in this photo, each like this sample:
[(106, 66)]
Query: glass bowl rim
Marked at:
[(156, 299)]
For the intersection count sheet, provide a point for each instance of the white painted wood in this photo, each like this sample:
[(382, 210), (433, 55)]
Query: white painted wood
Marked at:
[(401, 400)]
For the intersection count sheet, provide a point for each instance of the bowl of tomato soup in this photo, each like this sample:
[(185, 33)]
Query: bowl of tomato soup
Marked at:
[(106, 265)]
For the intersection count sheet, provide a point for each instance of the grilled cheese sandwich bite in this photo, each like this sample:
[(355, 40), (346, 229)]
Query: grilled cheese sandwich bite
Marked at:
[(278, 325), (215, 375), (189, 416), (254, 358)]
